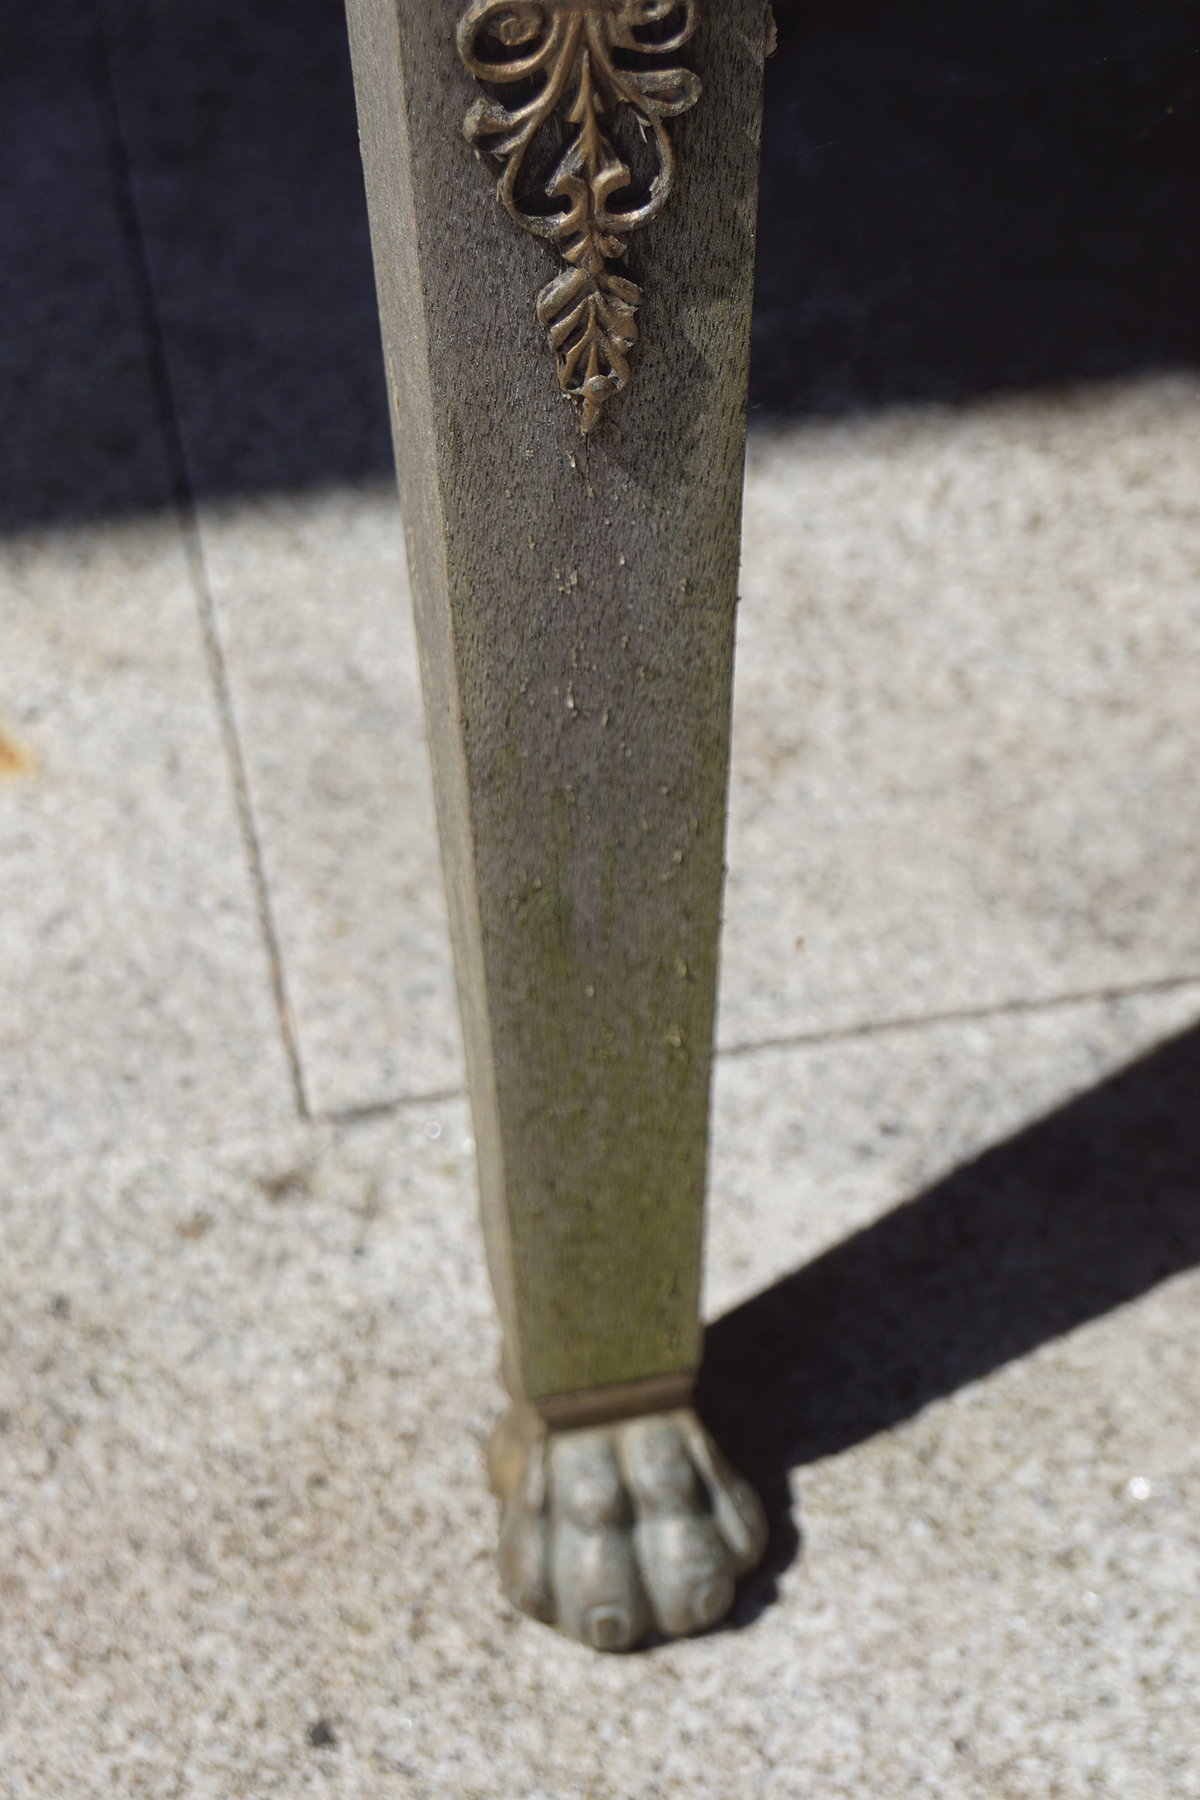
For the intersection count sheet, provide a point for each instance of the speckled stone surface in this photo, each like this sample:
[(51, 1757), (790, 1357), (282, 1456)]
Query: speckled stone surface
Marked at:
[(246, 1540), (136, 992), (965, 727), (968, 653), (311, 594)]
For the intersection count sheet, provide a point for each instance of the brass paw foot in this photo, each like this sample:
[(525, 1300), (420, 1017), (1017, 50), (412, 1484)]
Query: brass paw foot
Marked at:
[(612, 1530)]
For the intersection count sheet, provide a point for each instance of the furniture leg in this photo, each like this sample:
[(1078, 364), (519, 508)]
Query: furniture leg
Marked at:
[(572, 510)]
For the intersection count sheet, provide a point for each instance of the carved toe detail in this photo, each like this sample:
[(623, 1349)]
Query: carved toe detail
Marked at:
[(614, 1529)]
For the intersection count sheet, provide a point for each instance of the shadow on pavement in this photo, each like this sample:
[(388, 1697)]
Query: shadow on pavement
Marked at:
[(959, 200), (956, 200), (1075, 1215)]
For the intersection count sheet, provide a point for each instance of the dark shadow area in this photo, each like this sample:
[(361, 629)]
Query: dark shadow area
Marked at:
[(1076, 1215), (956, 200), (184, 254), (961, 199)]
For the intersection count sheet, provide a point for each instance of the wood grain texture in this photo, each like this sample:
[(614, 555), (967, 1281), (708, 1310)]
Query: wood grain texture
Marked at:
[(575, 612)]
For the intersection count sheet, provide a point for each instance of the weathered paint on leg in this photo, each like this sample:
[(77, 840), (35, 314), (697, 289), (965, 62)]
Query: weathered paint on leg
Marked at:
[(575, 606)]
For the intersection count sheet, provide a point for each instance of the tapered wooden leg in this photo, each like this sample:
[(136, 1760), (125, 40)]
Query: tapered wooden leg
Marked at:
[(570, 461)]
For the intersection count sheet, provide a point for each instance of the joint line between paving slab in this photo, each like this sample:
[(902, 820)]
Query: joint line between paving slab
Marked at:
[(379, 1109), (963, 1015), (183, 499)]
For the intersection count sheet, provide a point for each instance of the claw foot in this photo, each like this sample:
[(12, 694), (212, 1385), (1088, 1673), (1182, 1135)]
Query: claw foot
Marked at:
[(614, 1529)]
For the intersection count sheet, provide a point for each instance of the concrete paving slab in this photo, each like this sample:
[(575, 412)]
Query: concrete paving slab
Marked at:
[(315, 616), (965, 719), (247, 183), (137, 1005), (245, 1543), (812, 1143), (964, 732)]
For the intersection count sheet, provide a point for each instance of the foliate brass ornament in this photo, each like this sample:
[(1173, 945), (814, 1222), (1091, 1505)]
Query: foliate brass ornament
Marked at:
[(576, 63)]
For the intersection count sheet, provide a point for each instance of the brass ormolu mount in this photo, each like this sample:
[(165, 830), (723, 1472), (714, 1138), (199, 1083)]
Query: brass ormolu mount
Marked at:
[(576, 63)]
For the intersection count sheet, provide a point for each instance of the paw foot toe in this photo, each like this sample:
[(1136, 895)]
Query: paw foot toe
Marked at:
[(611, 1530)]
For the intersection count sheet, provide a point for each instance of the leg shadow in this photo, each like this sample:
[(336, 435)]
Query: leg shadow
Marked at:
[(1077, 1214)]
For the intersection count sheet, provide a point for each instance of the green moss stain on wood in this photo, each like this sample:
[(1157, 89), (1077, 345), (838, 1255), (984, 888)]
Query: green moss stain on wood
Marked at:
[(576, 612)]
